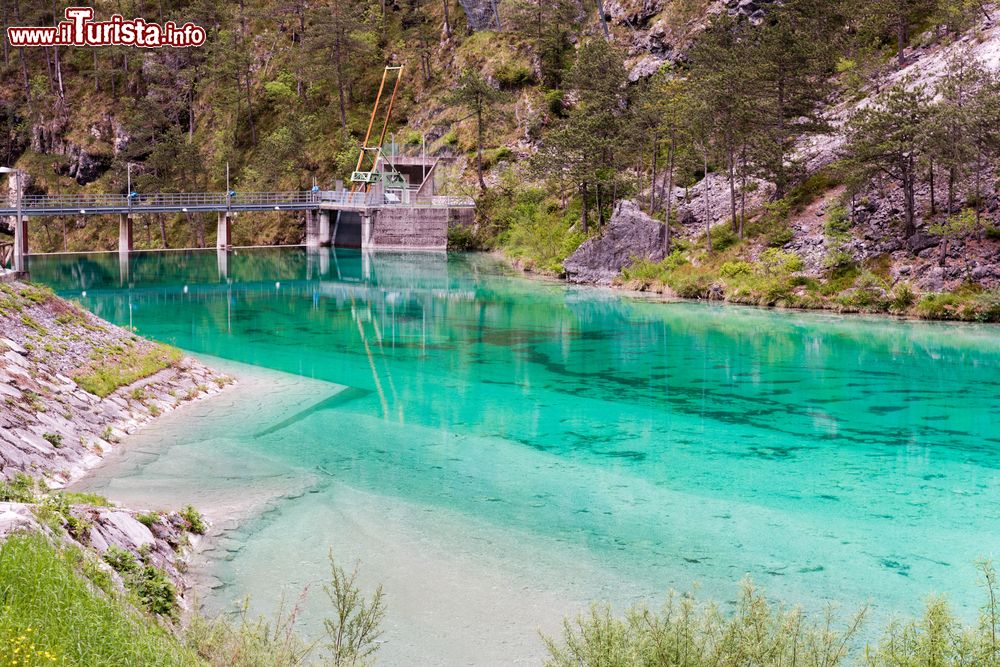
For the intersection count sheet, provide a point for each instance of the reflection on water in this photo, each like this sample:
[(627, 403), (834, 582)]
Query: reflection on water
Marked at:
[(830, 458)]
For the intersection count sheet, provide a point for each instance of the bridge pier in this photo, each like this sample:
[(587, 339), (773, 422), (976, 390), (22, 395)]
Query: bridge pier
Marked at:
[(20, 244), (224, 231), (125, 244), (318, 231), (325, 239), (366, 229)]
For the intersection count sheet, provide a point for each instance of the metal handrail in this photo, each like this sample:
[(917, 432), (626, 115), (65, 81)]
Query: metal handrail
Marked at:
[(169, 199), (58, 204)]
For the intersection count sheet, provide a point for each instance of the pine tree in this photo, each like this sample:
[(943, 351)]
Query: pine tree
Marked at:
[(478, 97), (887, 138)]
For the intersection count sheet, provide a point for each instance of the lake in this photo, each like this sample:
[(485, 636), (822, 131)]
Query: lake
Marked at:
[(498, 451)]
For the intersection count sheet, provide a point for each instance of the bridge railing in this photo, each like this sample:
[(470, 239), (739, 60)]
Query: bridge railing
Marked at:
[(347, 198), (176, 200), (179, 201)]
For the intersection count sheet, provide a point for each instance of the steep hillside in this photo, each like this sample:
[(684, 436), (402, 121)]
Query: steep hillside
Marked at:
[(581, 105)]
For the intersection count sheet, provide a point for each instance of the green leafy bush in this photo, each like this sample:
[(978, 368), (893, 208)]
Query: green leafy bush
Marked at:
[(774, 262), (18, 489), (758, 633), (513, 74), (193, 520), (736, 269), (153, 590)]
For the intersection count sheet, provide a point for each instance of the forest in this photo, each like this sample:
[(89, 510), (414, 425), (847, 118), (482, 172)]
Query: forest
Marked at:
[(556, 112)]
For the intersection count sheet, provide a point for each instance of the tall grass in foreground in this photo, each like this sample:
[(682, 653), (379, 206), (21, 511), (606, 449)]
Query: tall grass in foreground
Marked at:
[(53, 614), (759, 634)]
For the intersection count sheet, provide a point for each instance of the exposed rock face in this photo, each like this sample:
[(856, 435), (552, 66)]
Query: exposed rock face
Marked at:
[(630, 234), (754, 10), (49, 426), (480, 13)]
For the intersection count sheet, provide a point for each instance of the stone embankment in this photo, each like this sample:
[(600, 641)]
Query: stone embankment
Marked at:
[(54, 356), (71, 386)]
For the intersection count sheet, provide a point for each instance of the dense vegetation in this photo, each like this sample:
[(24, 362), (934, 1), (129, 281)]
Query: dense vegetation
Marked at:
[(59, 607), (281, 93)]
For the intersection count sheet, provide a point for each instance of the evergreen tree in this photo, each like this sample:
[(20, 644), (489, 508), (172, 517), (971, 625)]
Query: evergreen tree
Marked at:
[(887, 138), (478, 97)]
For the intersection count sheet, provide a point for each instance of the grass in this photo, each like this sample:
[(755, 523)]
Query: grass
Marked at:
[(120, 367), (47, 597)]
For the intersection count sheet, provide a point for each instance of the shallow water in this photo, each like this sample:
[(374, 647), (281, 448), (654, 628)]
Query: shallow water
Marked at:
[(497, 451)]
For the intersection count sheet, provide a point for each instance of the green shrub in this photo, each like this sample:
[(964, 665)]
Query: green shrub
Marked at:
[(193, 520), (774, 262), (736, 269), (759, 633), (54, 439), (937, 306), (869, 294), (153, 590), (838, 222), (723, 238), (148, 518), (993, 233), (838, 259), (535, 229), (18, 489), (690, 285), (461, 237), (513, 74), (903, 297), (554, 102), (688, 634)]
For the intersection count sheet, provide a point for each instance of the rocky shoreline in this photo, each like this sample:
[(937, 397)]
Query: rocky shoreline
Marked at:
[(71, 387)]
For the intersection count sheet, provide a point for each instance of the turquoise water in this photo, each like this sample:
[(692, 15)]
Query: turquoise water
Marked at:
[(574, 443)]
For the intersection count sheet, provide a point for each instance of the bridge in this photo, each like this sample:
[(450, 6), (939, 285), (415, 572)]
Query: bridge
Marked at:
[(382, 217)]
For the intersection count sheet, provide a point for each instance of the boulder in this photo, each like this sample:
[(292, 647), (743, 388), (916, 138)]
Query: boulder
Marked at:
[(630, 235)]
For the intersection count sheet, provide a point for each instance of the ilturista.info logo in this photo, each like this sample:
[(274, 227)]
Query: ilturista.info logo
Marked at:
[(80, 29)]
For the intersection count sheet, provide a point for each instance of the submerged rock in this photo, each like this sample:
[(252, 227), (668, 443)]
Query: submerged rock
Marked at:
[(630, 235)]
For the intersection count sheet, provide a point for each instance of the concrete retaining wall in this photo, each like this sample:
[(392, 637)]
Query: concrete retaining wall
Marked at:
[(404, 227)]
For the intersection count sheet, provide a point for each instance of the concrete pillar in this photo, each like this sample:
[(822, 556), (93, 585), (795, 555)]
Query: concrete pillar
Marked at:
[(325, 237), (367, 219), (312, 230), (223, 232), (20, 244), (340, 185), (125, 233)]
